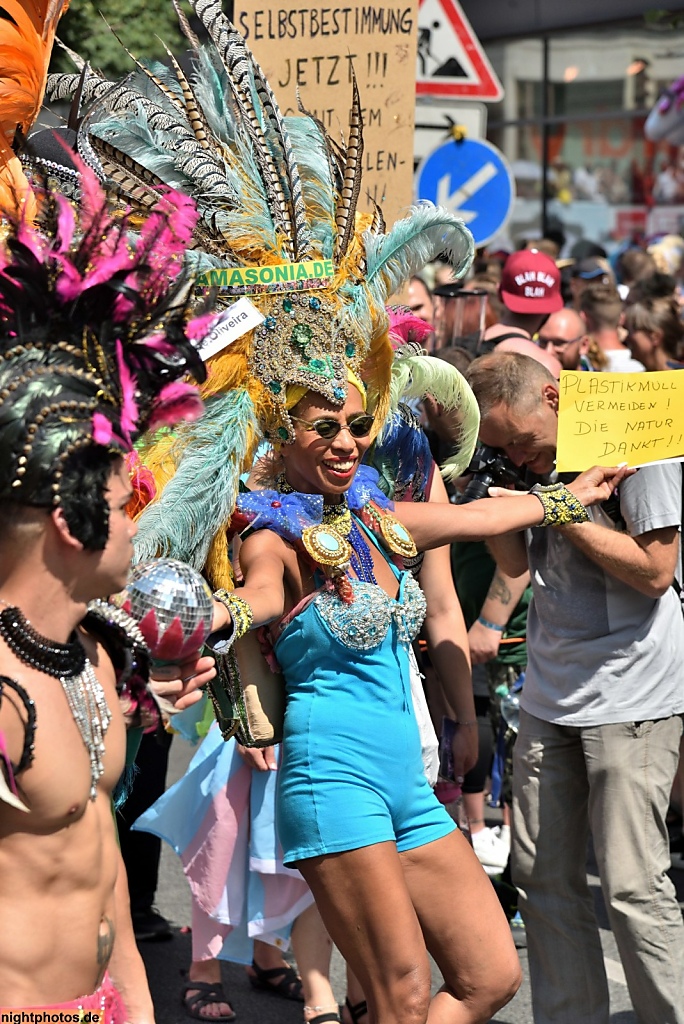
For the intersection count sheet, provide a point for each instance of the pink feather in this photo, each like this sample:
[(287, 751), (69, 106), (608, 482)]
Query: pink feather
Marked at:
[(69, 284), (66, 223), (158, 343), (405, 326), (164, 237), (177, 401), (198, 328), (103, 432), (108, 264), (92, 198), (32, 240), (182, 216), (129, 406)]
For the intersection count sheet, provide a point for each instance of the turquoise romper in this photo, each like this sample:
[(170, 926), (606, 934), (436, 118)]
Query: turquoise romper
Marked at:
[(351, 772)]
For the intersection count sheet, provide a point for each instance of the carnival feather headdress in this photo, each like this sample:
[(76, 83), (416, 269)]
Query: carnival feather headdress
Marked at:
[(277, 199), (94, 336), (27, 32)]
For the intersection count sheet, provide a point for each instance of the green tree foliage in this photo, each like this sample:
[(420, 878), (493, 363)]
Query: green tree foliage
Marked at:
[(140, 24)]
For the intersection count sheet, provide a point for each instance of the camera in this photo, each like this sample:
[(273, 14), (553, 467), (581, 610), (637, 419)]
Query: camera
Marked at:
[(490, 467)]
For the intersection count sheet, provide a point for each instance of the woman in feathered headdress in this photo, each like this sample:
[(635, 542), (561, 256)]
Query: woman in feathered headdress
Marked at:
[(322, 546)]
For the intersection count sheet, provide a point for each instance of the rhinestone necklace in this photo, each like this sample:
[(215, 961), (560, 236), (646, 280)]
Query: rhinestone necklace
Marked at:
[(68, 663)]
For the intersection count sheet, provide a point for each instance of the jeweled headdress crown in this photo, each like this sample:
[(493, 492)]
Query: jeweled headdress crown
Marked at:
[(278, 221)]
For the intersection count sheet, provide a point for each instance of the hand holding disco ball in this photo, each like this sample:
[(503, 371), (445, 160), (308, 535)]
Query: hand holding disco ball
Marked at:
[(174, 608)]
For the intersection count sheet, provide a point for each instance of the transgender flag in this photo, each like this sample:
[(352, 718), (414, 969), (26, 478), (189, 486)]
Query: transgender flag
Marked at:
[(220, 820)]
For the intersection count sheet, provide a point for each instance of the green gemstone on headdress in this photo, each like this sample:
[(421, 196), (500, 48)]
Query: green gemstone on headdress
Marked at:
[(275, 386), (314, 302), (301, 335), (350, 349), (288, 305), (282, 433), (270, 323), (321, 367)]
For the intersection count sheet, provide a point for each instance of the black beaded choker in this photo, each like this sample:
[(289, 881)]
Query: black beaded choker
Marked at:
[(57, 660)]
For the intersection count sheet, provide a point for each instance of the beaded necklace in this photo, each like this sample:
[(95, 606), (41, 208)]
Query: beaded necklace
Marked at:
[(362, 560), (69, 663)]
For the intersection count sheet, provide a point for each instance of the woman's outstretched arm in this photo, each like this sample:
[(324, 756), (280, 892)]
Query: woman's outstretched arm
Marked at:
[(432, 525), (263, 569)]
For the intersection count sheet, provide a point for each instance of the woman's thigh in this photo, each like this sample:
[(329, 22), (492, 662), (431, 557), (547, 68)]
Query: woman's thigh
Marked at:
[(366, 906), (465, 929)]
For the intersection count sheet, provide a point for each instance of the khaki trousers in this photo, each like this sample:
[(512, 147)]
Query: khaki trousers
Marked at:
[(616, 781)]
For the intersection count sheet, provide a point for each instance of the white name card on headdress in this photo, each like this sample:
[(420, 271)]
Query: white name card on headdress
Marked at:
[(240, 317)]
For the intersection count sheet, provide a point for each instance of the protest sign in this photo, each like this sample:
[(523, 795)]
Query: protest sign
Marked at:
[(313, 49), (608, 418)]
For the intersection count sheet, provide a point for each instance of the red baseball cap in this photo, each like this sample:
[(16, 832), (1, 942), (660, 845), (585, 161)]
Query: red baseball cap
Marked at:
[(530, 283)]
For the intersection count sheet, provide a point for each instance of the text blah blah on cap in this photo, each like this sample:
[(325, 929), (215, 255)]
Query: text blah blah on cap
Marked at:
[(530, 283)]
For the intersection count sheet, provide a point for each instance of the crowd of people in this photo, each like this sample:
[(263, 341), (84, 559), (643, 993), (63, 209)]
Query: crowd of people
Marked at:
[(390, 644)]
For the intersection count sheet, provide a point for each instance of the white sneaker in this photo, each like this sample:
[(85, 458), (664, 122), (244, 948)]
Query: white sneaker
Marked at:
[(491, 852), (503, 832)]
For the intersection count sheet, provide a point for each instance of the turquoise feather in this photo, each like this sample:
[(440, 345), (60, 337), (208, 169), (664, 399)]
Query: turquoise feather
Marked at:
[(314, 166), (212, 91), (199, 500), (414, 377), (414, 241)]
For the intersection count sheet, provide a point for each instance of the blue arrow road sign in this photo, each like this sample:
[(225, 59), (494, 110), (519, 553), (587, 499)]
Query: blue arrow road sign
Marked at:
[(471, 179)]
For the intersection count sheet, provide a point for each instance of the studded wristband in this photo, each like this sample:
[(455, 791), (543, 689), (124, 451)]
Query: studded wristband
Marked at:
[(560, 505), (240, 612)]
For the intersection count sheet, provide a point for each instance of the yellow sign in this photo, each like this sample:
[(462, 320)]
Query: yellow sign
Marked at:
[(269, 278), (608, 418), (310, 50)]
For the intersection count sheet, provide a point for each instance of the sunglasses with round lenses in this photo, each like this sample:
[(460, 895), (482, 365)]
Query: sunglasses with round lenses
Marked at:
[(328, 428)]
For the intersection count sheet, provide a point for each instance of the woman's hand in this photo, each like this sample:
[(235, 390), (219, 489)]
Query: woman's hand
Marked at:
[(261, 759), (591, 487), (598, 483), (464, 749), (181, 684)]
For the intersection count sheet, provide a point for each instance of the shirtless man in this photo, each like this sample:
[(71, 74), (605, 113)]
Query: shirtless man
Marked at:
[(63, 889), (80, 381)]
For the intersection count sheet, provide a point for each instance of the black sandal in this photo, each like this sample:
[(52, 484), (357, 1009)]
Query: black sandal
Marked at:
[(322, 1018), (205, 995), (289, 986), (357, 1010)]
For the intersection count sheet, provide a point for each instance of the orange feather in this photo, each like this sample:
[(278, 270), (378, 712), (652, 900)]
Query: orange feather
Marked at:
[(27, 34)]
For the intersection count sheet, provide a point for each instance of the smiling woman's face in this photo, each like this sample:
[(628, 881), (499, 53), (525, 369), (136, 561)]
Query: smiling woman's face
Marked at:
[(315, 465)]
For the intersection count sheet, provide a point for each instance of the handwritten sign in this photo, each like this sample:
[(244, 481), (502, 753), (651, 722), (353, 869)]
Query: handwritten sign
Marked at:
[(608, 418), (313, 49)]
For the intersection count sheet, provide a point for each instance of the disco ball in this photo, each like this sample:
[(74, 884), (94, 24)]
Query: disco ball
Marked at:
[(172, 605)]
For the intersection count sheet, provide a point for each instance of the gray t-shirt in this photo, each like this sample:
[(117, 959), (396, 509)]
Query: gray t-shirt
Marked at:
[(598, 650)]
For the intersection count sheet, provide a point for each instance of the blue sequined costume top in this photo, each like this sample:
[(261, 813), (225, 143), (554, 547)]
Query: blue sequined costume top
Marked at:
[(351, 773)]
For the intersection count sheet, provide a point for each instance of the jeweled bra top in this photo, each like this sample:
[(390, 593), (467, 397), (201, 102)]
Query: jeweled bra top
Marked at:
[(364, 623)]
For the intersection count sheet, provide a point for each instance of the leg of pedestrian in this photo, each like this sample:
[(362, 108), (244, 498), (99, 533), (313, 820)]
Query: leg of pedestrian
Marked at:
[(550, 833), (631, 768)]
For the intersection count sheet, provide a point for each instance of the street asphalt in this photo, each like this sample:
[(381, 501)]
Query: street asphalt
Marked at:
[(166, 961)]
